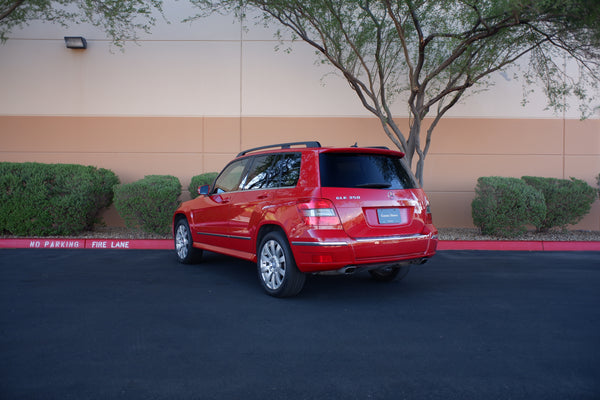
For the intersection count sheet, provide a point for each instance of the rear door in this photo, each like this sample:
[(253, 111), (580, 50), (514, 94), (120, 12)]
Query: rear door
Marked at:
[(267, 175)]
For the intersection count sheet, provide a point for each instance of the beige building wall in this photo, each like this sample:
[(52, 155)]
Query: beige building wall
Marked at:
[(187, 98)]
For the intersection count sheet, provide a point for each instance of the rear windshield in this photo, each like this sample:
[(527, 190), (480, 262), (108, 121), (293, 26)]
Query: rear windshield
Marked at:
[(376, 171)]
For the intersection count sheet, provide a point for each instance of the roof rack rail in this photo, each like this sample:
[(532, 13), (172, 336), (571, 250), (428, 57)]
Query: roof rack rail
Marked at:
[(282, 146), (371, 147)]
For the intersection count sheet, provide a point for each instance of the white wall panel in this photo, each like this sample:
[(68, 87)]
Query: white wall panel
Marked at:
[(278, 83), (208, 67), (167, 78), (254, 29), (157, 78), (217, 27), (502, 99), (35, 77)]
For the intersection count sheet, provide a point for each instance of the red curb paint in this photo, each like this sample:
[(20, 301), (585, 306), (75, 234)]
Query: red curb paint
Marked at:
[(503, 245), (167, 244), (120, 244), (572, 246), (506, 245)]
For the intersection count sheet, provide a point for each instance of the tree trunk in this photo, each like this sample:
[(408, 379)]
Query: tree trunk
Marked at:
[(414, 146)]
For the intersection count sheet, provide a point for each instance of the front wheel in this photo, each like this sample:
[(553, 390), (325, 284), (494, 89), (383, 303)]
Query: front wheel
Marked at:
[(186, 252), (390, 273), (277, 269)]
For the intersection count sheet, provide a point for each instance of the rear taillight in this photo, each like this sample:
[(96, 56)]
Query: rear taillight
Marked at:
[(428, 217), (319, 214)]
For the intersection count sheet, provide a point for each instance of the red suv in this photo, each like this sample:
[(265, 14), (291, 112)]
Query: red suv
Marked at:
[(299, 208)]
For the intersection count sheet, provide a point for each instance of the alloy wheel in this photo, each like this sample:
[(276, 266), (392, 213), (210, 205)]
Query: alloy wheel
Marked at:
[(272, 264)]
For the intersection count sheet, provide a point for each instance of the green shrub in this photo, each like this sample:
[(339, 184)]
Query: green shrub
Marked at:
[(506, 206), (199, 180), (567, 201), (149, 203), (598, 181), (52, 199)]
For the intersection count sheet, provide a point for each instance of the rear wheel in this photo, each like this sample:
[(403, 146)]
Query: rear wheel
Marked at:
[(390, 273), (186, 252), (277, 269)]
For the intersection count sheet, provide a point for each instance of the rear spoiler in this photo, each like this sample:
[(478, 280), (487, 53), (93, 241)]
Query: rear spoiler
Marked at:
[(365, 150)]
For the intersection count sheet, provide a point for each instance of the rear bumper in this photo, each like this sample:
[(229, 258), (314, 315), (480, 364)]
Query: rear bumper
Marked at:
[(333, 254)]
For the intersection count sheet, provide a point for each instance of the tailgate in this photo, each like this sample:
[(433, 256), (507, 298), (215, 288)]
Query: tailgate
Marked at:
[(374, 213)]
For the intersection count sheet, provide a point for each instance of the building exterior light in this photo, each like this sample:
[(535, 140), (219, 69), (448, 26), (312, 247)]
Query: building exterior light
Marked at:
[(75, 42)]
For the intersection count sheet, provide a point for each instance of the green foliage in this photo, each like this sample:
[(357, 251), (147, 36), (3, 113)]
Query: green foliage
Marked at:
[(567, 201), (119, 19), (149, 203), (200, 180), (504, 207), (52, 199)]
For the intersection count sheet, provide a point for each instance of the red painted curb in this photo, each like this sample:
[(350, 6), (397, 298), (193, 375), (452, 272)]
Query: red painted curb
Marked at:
[(572, 246), (508, 245), (167, 244), (505, 245), (42, 243)]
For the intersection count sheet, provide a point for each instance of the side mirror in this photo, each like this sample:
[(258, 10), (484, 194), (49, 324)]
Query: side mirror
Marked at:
[(204, 190)]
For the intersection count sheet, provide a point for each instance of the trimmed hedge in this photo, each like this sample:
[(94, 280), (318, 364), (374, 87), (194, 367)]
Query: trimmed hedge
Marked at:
[(506, 206), (52, 199), (149, 203), (567, 201), (199, 180)]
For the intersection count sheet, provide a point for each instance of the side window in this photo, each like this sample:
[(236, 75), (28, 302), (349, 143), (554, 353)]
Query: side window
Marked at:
[(289, 169), (273, 171), (261, 173), (230, 178)]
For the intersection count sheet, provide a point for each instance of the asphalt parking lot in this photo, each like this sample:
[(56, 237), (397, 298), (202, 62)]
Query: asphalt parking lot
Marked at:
[(135, 324)]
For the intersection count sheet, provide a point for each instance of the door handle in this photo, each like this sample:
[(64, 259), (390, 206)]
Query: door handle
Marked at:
[(221, 200)]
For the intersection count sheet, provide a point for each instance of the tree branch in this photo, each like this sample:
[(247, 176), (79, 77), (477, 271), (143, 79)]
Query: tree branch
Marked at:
[(12, 8)]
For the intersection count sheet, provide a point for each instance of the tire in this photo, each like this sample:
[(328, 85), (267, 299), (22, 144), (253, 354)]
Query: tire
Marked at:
[(277, 270), (390, 273), (184, 249)]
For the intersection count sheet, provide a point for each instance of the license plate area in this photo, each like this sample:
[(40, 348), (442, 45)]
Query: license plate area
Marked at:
[(390, 216)]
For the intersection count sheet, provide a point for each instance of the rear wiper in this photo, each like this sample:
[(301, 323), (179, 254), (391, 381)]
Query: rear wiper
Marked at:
[(374, 185)]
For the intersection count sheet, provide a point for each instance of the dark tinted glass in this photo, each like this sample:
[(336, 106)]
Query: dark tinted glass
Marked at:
[(261, 173), (375, 171), (289, 167), (271, 171), (229, 179)]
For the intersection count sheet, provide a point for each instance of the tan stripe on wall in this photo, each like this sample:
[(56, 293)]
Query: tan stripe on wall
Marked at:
[(462, 149)]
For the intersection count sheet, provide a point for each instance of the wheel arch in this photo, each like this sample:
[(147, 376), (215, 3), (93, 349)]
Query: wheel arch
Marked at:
[(264, 230), (176, 218)]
